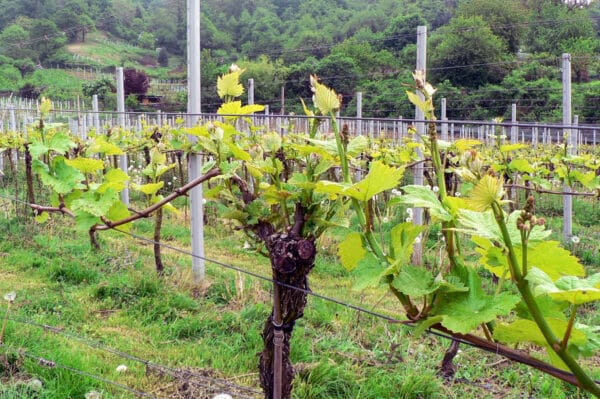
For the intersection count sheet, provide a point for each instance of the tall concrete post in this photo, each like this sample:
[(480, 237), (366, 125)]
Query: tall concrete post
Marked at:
[(195, 162)]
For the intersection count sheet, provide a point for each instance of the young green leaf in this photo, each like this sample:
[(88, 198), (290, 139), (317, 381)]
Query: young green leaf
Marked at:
[(380, 178), (422, 197), (351, 251), (569, 288)]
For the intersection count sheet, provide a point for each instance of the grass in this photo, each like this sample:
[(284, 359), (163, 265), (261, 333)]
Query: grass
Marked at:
[(113, 297), (100, 50)]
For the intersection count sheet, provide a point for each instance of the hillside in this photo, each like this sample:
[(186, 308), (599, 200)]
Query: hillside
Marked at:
[(483, 55)]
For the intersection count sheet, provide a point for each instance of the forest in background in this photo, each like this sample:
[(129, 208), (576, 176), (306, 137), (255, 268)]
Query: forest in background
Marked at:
[(483, 55)]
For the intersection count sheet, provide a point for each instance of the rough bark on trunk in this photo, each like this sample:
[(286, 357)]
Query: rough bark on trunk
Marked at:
[(160, 269), (292, 257), (29, 176), (447, 368)]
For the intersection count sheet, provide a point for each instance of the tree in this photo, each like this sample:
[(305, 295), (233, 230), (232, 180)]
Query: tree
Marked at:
[(74, 20), (147, 40), (135, 82), (467, 53), (46, 39), (402, 31), (14, 42), (163, 57), (583, 51), (506, 18), (339, 72), (552, 23), (103, 88), (10, 77), (268, 78)]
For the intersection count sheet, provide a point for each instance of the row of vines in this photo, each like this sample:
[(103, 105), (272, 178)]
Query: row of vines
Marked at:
[(285, 190)]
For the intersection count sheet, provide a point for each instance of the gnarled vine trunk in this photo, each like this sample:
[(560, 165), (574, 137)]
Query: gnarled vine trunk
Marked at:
[(292, 257)]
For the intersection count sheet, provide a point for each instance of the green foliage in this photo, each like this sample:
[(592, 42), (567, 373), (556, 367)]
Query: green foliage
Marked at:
[(468, 43)]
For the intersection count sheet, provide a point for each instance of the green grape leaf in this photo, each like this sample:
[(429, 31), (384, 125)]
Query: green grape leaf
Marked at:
[(484, 224), (415, 281), (62, 178), (416, 100), (229, 84), (523, 330), (569, 288), (487, 191), (422, 197), (324, 98), (271, 142), (207, 166), (521, 165), (119, 211), (238, 153), (101, 146), (85, 220), (228, 169), (368, 273), (148, 189), (236, 108), (402, 237), (85, 165), (548, 306), (548, 256), (356, 146), (586, 179), (321, 147), (323, 166), (553, 260), (61, 143), (114, 179), (464, 144), (351, 251), (492, 258), (333, 189), (464, 311), (512, 147), (38, 148), (42, 217), (380, 178), (95, 203)]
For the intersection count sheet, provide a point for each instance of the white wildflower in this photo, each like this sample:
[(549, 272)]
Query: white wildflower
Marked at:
[(93, 395), (457, 194), (409, 211), (121, 368), (575, 240), (10, 297), (35, 384), (204, 201), (435, 189), (408, 220), (385, 220), (428, 187), (418, 239), (247, 245)]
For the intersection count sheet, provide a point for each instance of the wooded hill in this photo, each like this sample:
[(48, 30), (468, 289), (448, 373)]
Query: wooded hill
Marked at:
[(483, 55)]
